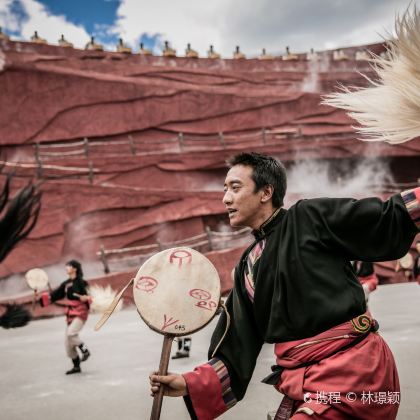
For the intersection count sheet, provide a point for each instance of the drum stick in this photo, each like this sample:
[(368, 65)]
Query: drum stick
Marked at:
[(163, 370), (34, 299), (110, 310)]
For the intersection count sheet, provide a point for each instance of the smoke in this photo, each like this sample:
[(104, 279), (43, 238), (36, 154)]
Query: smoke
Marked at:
[(83, 238), (366, 177), (13, 286), (21, 154), (320, 64), (229, 241), (165, 233), (210, 186), (223, 227)]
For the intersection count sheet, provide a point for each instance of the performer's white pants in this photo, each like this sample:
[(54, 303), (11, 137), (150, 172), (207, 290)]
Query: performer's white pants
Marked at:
[(72, 339)]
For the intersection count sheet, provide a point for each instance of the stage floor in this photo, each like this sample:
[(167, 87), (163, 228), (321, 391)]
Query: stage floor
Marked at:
[(114, 383)]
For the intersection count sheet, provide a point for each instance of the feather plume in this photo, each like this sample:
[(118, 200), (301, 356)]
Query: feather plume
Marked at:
[(18, 215), (102, 298), (15, 316), (389, 109)]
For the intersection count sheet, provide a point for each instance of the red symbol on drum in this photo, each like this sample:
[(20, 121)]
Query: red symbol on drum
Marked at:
[(180, 255), (200, 294), (203, 296), (146, 284), (209, 305), (167, 322)]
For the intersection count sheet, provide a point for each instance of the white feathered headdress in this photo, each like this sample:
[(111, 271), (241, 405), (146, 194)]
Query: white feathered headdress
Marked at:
[(389, 109)]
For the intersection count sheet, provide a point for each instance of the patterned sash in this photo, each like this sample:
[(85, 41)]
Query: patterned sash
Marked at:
[(252, 258)]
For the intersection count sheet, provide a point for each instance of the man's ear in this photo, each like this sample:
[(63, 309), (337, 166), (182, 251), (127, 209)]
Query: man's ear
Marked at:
[(267, 193)]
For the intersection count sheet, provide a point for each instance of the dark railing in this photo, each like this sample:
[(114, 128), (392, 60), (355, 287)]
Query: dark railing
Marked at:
[(126, 258), (89, 149), (144, 146)]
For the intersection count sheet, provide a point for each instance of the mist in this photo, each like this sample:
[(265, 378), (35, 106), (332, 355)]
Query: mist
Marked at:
[(316, 66), (312, 178)]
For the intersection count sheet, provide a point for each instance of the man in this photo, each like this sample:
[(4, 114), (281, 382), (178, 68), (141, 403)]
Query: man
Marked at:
[(295, 287)]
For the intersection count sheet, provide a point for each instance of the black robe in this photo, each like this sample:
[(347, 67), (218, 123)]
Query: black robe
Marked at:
[(304, 281), (67, 289)]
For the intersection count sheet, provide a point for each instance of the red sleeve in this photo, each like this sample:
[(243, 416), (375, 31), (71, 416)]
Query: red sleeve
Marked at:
[(412, 203), (372, 281), (45, 299), (209, 390)]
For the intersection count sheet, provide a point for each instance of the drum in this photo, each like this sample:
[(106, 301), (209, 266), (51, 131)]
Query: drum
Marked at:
[(37, 279), (177, 291)]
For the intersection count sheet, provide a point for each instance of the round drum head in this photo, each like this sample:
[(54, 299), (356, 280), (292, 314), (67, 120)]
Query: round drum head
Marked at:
[(177, 291), (407, 261), (37, 279)]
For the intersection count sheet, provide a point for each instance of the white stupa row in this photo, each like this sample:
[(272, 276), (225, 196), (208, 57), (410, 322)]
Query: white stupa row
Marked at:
[(167, 51)]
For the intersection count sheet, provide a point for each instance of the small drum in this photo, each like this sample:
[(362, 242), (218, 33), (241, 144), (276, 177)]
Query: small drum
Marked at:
[(37, 279), (407, 261), (177, 291)]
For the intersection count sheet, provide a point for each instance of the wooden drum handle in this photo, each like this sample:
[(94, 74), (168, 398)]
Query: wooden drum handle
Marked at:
[(163, 370)]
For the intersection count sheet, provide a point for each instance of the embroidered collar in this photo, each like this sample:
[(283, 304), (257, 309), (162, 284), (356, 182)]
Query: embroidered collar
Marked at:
[(268, 224)]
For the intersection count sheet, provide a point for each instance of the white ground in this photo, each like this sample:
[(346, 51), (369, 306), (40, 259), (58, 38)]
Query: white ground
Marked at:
[(114, 382)]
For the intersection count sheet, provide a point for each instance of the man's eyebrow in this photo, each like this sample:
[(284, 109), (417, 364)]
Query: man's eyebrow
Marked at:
[(233, 181)]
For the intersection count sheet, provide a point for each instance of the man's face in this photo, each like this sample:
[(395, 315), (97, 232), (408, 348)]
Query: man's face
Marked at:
[(242, 202), (418, 247)]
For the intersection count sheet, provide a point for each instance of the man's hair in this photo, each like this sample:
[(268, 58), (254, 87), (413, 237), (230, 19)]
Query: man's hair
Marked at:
[(266, 171)]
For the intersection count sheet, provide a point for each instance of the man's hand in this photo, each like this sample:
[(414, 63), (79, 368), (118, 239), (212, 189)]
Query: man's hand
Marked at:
[(174, 385)]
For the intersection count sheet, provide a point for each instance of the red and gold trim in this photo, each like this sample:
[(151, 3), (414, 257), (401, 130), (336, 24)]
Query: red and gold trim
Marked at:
[(224, 378), (253, 257), (361, 324), (412, 203), (209, 390)]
